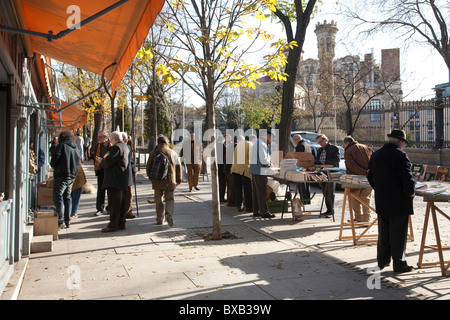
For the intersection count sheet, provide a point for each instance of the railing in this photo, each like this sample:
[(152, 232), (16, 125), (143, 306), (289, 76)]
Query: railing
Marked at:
[(418, 119)]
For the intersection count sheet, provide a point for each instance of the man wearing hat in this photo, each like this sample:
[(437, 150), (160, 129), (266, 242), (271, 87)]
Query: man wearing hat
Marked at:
[(391, 177)]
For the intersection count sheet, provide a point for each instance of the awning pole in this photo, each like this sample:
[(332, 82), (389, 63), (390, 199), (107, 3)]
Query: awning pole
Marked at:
[(50, 36)]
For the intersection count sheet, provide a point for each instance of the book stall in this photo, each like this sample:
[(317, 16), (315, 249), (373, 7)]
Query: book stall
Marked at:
[(349, 182), (434, 185), (298, 168)]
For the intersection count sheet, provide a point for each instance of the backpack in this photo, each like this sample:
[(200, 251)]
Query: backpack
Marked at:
[(160, 166)]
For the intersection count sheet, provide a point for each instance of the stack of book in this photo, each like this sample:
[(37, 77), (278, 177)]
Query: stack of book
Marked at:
[(334, 174), (298, 176), (287, 165), (354, 179)]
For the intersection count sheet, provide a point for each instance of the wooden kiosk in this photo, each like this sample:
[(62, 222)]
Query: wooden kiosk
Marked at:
[(363, 236), (438, 247)]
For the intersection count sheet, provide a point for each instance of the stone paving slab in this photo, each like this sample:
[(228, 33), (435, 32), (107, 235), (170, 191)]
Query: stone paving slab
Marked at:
[(268, 259)]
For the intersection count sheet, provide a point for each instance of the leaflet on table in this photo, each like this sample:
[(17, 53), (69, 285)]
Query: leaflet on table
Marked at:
[(432, 188)]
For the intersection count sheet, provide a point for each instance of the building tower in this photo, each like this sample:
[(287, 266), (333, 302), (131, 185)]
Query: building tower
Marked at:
[(326, 40)]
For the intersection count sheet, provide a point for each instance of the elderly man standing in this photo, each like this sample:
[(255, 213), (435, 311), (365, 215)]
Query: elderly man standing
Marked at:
[(302, 146), (327, 154), (165, 184), (115, 164), (357, 157), (391, 177), (260, 169), (66, 163), (192, 154), (101, 150)]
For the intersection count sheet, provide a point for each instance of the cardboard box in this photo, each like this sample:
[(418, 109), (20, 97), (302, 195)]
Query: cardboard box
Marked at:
[(46, 223), (45, 193)]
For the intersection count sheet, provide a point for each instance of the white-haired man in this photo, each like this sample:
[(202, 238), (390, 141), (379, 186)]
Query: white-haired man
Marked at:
[(115, 181)]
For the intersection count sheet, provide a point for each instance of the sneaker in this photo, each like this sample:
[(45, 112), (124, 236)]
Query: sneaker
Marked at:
[(98, 213), (169, 219)]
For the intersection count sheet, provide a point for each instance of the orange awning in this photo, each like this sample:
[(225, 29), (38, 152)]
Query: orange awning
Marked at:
[(72, 118), (114, 37)]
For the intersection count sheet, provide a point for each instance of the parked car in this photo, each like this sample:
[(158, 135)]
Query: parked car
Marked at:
[(310, 137)]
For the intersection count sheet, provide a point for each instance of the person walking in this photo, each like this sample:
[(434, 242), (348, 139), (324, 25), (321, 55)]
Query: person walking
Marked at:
[(165, 160), (80, 145), (357, 157), (65, 163), (260, 169), (240, 170), (391, 178), (115, 164), (327, 155), (192, 157), (101, 149)]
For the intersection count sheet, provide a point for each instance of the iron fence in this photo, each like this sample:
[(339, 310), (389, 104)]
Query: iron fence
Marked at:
[(426, 123)]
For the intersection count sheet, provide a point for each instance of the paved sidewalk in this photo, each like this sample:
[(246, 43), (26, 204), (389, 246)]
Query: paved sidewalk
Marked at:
[(268, 260)]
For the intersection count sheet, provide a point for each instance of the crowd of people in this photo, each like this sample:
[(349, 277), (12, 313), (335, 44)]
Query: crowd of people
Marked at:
[(243, 171)]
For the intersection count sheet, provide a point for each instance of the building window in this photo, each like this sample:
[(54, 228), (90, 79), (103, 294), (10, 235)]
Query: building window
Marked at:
[(375, 106)]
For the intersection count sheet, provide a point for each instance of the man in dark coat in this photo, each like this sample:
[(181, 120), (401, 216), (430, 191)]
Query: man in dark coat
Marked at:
[(116, 181), (100, 151), (65, 163), (327, 155), (391, 177), (302, 146)]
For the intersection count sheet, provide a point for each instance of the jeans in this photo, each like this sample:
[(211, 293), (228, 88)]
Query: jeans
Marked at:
[(76, 195), (62, 189)]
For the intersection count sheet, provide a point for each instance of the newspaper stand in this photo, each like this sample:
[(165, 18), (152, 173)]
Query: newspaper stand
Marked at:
[(438, 247), (364, 236)]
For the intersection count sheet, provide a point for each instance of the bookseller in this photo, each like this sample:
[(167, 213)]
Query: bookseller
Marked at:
[(357, 158)]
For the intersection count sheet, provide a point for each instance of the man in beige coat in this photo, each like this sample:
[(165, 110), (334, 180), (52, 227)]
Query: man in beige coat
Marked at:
[(191, 153), (241, 174), (165, 188)]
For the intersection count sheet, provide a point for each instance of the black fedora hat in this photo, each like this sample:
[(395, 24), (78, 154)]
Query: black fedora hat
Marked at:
[(399, 134)]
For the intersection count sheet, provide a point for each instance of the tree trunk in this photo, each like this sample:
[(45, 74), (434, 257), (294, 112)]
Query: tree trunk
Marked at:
[(287, 102), (211, 124)]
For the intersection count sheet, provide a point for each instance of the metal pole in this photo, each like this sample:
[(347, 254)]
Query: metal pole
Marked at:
[(439, 116), (335, 122)]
